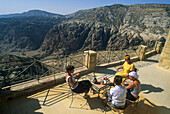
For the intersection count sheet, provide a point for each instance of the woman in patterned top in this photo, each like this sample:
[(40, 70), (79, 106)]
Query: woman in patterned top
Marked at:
[(133, 89)]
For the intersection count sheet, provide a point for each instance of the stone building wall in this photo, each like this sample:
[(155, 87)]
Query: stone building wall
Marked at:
[(165, 55)]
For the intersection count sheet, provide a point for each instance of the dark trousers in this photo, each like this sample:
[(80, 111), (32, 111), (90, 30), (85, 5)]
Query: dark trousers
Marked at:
[(83, 86), (130, 96)]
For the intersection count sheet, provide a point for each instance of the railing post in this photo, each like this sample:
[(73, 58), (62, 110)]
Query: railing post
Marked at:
[(109, 54), (65, 64), (155, 45), (142, 52), (158, 47), (42, 67), (90, 59), (31, 72)]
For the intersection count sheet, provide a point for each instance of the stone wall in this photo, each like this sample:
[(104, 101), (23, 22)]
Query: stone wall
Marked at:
[(165, 55)]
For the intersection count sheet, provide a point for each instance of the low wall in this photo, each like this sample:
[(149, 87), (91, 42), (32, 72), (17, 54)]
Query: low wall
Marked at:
[(32, 86)]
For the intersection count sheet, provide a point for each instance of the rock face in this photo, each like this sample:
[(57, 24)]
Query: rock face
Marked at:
[(25, 31), (111, 27), (114, 27)]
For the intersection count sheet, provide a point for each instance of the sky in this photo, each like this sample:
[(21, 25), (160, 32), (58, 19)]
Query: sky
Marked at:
[(64, 6)]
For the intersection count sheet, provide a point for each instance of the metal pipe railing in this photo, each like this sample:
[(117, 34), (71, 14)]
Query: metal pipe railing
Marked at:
[(51, 66)]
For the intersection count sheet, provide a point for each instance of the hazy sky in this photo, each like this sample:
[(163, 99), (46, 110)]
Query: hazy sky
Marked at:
[(64, 6)]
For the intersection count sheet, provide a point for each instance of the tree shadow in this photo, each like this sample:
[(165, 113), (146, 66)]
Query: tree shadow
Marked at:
[(150, 88), (22, 105)]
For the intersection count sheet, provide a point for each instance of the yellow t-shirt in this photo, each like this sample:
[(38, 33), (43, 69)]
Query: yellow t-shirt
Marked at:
[(128, 67)]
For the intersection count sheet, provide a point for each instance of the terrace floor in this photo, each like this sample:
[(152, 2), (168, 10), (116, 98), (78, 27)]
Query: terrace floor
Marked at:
[(154, 96)]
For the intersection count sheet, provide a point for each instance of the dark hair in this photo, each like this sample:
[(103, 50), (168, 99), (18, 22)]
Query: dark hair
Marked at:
[(69, 68), (118, 80), (127, 57)]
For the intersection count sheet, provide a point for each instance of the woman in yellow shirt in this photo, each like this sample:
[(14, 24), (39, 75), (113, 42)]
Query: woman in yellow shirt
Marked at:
[(128, 66)]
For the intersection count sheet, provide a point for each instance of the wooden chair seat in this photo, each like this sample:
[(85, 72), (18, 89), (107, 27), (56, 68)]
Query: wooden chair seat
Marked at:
[(115, 109), (126, 105), (134, 102)]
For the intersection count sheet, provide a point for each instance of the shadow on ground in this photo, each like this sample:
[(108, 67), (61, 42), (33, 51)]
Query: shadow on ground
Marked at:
[(150, 88), (106, 71), (144, 106), (20, 106), (151, 60), (91, 103), (56, 94), (95, 103)]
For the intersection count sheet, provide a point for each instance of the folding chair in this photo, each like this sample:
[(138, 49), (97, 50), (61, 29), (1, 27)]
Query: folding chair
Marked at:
[(72, 94)]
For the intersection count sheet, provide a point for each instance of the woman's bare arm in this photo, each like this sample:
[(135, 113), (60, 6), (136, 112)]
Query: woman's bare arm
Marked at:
[(77, 76), (119, 68), (71, 82), (130, 86)]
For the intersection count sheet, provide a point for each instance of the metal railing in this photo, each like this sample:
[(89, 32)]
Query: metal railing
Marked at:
[(115, 55), (111, 56), (61, 63), (33, 71), (36, 69)]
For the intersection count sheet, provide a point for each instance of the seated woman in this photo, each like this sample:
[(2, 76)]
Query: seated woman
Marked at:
[(78, 87), (128, 66), (133, 89), (117, 95)]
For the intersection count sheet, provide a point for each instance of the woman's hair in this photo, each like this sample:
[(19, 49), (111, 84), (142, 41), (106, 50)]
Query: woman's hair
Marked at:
[(127, 57), (69, 68), (118, 80)]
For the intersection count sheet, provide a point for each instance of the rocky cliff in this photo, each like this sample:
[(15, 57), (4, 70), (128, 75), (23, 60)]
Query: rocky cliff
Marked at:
[(113, 27), (26, 31)]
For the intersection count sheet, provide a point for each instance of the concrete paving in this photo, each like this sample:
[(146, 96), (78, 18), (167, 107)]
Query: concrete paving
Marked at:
[(154, 97), (155, 84)]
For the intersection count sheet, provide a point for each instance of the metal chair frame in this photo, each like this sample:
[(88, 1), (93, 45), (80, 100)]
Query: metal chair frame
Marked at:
[(72, 94)]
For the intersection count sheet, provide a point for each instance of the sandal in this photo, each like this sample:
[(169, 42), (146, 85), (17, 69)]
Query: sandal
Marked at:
[(94, 92), (86, 96)]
